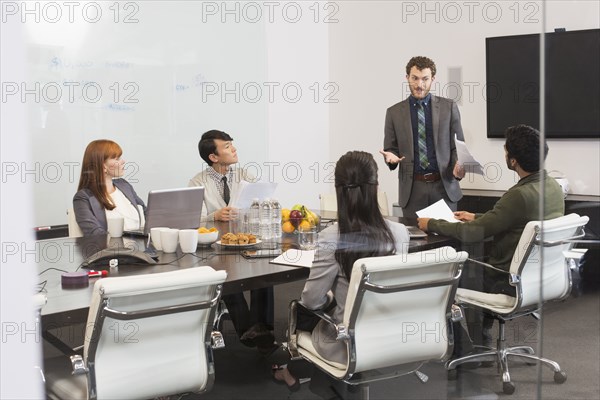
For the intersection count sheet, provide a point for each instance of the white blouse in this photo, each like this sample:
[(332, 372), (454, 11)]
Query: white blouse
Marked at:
[(125, 209)]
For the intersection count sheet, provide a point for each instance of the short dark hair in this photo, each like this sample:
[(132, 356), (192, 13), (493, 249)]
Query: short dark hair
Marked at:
[(421, 63), (207, 146), (523, 144)]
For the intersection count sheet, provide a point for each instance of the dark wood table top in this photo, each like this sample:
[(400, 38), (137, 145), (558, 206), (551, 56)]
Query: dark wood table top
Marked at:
[(65, 306)]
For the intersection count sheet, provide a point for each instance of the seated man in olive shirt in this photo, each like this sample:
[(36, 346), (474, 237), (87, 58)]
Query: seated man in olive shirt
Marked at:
[(506, 221)]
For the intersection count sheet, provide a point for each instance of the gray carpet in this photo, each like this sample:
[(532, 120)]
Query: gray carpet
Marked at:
[(571, 337), (570, 332)]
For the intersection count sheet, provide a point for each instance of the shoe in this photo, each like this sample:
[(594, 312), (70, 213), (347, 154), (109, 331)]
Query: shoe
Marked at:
[(292, 388), (255, 332)]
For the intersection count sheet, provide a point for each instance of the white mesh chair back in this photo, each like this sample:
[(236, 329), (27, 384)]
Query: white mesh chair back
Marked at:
[(540, 260), (166, 352), (408, 321)]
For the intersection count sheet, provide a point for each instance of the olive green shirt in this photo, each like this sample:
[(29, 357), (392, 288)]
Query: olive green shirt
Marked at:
[(506, 221)]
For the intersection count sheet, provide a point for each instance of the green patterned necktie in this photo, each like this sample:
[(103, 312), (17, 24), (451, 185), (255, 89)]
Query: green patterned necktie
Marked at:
[(423, 161)]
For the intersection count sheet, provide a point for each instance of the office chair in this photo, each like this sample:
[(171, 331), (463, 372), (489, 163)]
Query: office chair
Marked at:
[(74, 229), (396, 317), (328, 202), (539, 272), (146, 336)]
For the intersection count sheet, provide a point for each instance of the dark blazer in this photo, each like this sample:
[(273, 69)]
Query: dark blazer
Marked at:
[(398, 139), (91, 215)]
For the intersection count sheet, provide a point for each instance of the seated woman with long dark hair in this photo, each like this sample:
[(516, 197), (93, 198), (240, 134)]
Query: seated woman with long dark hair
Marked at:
[(103, 193), (361, 232)]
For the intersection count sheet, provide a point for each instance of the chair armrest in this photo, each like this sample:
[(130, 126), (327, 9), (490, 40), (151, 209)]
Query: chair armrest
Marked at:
[(514, 278), (485, 265), (320, 313)]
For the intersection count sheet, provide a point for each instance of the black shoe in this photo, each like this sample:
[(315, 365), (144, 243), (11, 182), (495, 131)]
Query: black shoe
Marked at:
[(257, 330)]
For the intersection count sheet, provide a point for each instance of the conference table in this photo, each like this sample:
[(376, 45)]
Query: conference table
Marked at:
[(65, 306)]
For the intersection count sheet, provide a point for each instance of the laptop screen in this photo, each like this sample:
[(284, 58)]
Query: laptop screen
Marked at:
[(174, 208)]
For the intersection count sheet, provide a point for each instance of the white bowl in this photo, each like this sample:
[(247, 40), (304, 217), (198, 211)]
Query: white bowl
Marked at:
[(208, 238)]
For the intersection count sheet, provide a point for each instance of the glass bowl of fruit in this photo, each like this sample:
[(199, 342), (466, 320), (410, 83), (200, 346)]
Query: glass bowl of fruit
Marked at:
[(297, 218)]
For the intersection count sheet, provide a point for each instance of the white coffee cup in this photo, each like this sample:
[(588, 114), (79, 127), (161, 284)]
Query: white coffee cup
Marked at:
[(115, 226), (155, 236), (169, 239), (188, 240)]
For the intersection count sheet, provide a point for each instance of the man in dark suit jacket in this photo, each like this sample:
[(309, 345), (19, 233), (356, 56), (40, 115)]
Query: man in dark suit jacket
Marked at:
[(419, 136)]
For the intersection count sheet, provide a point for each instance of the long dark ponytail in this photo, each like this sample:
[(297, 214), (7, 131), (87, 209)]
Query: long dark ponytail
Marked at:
[(362, 228)]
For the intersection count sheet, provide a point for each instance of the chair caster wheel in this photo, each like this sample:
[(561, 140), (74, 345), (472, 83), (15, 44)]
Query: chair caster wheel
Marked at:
[(452, 374), (508, 387), (560, 377)]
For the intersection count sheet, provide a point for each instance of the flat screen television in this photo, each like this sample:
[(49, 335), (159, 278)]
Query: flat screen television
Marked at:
[(572, 83)]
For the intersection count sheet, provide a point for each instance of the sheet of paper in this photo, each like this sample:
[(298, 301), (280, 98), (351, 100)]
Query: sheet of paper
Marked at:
[(296, 258), (439, 210), (466, 159), (248, 191)]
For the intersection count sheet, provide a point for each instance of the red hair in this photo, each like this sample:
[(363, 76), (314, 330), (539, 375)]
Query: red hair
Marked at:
[(92, 169)]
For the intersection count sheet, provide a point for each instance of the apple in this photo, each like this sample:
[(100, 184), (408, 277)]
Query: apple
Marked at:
[(295, 217)]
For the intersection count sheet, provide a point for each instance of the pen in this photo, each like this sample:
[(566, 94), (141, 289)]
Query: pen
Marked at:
[(96, 274)]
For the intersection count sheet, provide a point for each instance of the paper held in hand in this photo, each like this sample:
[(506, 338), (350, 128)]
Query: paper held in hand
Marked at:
[(466, 159), (242, 198), (439, 210)]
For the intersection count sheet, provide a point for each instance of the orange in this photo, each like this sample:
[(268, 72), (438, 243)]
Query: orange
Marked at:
[(304, 225), (285, 214), (287, 227)]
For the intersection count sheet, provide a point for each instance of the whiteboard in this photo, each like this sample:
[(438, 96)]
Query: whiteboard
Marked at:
[(152, 76)]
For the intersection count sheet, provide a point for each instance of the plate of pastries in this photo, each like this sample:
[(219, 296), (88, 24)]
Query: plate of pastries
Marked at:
[(238, 240)]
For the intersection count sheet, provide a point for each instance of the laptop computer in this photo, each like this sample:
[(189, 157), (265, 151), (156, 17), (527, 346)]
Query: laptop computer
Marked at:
[(179, 208), (415, 233)]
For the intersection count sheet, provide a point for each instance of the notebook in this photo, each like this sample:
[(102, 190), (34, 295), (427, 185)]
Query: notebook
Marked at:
[(179, 208)]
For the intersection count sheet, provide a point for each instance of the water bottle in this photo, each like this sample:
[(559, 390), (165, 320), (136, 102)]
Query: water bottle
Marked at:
[(254, 218), (276, 219), (266, 220)]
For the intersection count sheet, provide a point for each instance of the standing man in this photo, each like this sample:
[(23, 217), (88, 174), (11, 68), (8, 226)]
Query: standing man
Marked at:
[(419, 135), (254, 324)]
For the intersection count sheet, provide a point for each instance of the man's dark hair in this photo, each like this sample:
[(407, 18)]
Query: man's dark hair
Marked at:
[(207, 146), (523, 144), (421, 63)]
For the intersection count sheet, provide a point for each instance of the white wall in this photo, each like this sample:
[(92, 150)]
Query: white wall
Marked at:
[(373, 41), (20, 346), (334, 68)]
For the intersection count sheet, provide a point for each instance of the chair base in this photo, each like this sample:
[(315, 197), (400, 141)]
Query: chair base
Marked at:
[(501, 356)]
